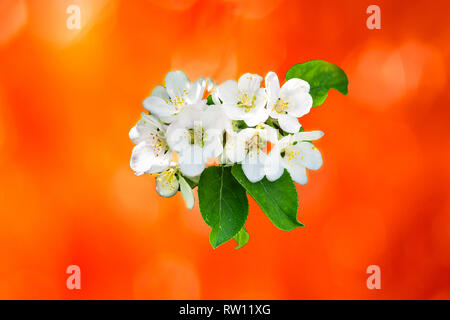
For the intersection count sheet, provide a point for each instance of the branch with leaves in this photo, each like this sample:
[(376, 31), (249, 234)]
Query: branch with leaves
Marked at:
[(252, 132)]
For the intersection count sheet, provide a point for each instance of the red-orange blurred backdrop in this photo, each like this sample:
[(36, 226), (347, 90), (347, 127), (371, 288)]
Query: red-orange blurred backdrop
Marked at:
[(67, 195)]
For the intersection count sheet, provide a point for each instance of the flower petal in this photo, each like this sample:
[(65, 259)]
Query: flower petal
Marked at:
[(311, 157), (308, 135), (249, 83), (191, 161), (158, 107), (177, 84), (144, 158), (235, 149), (161, 163), (293, 86), (148, 125), (234, 112), (253, 166), (178, 137), (288, 123), (160, 92), (273, 167), (213, 146), (298, 174), (272, 89), (228, 92), (134, 135), (256, 117), (299, 104), (196, 91)]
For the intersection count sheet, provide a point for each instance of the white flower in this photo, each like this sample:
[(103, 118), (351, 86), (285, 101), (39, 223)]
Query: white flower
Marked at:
[(244, 100), (165, 103), (151, 153), (288, 103), (296, 154), (197, 135), (167, 183), (248, 146)]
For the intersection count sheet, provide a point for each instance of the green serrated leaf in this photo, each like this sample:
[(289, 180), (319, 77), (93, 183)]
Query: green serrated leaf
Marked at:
[(321, 76), (241, 238), (223, 204), (277, 199)]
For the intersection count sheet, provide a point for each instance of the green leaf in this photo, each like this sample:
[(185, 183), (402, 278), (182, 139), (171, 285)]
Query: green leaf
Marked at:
[(321, 76), (223, 204), (241, 238), (277, 199), (187, 193)]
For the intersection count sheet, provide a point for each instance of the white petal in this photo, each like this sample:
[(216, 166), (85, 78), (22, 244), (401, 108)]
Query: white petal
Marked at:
[(256, 117), (272, 89), (152, 121), (234, 112), (213, 146), (196, 91), (253, 166), (298, 174), (299, 104), (293, 86), (177, 83), (161, 92), (308, 135), (249, 83), (210, 84), (191, 161), (178, 137), (246, 134), (215, 97), (273, 167), (161, 163), (167, 183), (144, 157), (270, 134), (274, 114), (158, 106), (235, 149), (288, 123), (228, 92), (261, 98), (311, 157), (217, 119), (134, 135), (187, 193), (284, 142)]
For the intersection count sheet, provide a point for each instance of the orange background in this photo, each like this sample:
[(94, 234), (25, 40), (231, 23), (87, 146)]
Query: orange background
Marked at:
[(67, 195)]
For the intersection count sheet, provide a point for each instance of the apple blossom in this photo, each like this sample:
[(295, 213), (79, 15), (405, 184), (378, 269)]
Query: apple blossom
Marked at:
[(295, 153), (151, 153), (196, 135), (244, 100), (167, 102), (289, 102), (247, 147)]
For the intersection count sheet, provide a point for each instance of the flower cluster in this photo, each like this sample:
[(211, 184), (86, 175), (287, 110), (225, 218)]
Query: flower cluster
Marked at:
[(232, 140), (236, 122)]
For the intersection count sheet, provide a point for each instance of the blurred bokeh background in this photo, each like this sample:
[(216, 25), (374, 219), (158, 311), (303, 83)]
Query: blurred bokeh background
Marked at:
[(67, 195)]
